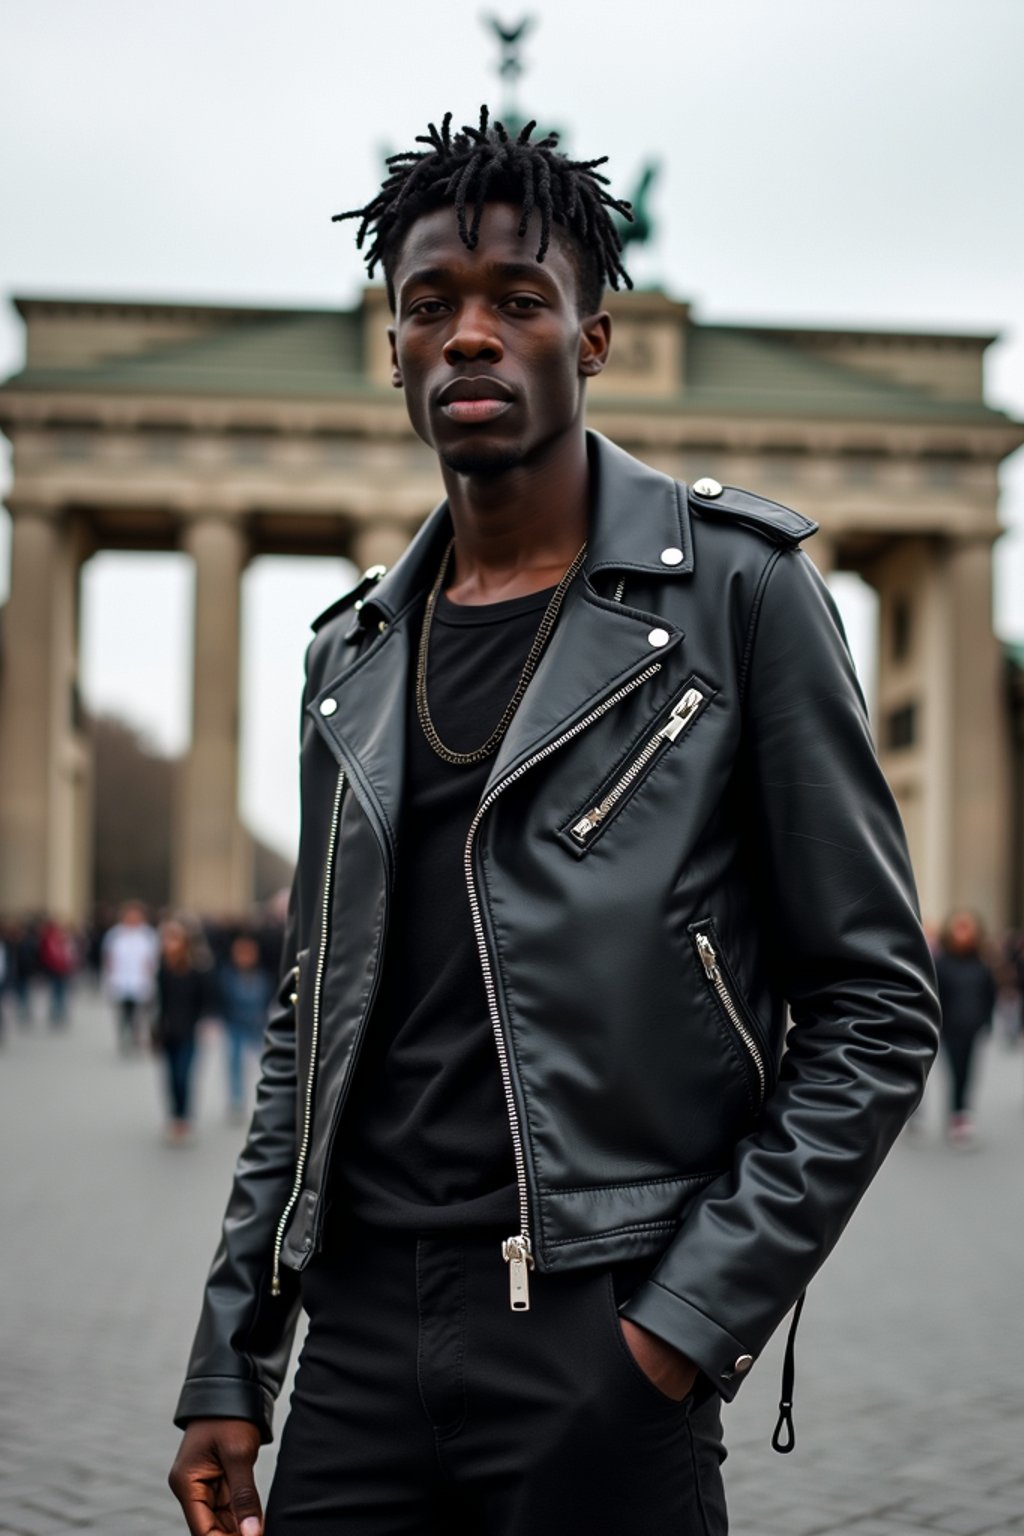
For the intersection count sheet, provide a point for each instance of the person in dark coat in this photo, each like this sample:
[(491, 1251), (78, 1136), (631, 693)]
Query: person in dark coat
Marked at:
[(183, 996), (244, 988), (967, 993)]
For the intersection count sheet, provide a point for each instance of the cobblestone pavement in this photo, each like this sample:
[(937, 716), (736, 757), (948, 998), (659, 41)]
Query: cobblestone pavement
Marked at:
[(909, 1402)]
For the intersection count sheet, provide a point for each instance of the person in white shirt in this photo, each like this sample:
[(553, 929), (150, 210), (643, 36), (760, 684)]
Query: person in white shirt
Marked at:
[(130, 954)]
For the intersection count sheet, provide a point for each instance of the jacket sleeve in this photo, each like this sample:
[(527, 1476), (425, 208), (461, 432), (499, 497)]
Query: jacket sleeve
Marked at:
[(837, 897), (243, 1342)]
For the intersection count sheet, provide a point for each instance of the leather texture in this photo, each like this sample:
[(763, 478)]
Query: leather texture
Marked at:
[(726, 1138)]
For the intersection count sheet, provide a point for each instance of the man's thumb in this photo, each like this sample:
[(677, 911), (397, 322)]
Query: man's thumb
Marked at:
[(245, 1501)]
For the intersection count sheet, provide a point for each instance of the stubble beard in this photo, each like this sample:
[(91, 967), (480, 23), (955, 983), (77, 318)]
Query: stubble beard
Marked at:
[(468, 459)]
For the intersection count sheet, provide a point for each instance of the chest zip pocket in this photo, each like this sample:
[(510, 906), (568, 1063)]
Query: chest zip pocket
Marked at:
[(584, 828)]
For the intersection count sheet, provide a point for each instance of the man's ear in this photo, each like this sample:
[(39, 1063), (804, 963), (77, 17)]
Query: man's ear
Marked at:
[(396, 372), (595, 343)]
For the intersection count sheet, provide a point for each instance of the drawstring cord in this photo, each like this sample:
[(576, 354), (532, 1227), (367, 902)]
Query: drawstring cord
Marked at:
[(785, 1420)]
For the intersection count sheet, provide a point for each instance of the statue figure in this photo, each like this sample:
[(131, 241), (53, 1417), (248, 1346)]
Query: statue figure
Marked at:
[(640, 231), (510, 67)]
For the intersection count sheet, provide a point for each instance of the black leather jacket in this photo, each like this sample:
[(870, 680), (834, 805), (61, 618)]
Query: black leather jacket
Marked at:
[(685, 837)]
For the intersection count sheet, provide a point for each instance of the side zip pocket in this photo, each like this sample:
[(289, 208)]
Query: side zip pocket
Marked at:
[(582, 830), (728, 998)]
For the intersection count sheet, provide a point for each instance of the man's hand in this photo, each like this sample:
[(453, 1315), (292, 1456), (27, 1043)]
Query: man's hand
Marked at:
[(669, 1369), (212, 1478)]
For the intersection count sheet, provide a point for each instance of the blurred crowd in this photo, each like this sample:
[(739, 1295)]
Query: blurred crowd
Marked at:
[(163, 975)]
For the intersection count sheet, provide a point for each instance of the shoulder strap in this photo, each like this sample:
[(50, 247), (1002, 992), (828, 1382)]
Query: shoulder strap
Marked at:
[(730, 504)]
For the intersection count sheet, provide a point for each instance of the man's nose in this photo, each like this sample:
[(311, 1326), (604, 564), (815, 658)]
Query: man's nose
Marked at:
[(473, 339)]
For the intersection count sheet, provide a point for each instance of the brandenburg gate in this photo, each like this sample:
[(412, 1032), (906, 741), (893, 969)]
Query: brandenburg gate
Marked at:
[(229, 433)]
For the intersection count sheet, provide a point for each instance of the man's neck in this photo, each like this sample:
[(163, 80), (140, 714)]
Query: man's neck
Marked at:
[(517, 532)]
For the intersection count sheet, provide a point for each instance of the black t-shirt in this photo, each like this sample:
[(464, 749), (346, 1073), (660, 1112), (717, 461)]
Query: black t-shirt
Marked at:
[(424, 1140)]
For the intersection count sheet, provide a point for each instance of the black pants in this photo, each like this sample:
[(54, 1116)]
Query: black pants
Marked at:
[(959, 1047), (128, 1022), (424, 1406), (179, 1057)]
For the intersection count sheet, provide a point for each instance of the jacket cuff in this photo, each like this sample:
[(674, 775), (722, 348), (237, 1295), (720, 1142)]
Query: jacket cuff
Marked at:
[(226, 1397), (723, 1359)]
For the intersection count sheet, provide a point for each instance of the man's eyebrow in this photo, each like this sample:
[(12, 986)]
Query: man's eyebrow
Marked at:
[(516, 271), (426, 275), (528, 271)]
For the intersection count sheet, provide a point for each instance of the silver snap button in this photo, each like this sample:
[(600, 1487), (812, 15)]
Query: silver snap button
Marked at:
[(328, 706), (671, 556), (374, 572), (744, 1363), (707, 487), (658, 637)]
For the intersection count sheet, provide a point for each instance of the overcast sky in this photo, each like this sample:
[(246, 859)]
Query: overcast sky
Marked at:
[(823, 161)]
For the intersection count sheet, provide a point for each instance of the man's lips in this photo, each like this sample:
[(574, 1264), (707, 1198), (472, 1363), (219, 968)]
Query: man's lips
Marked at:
[(476, 410), (476, 399)]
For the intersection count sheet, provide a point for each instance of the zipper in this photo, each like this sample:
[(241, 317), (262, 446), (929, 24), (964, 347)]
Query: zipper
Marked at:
[(682, 713), (709, 960), (367, 1010), (307, 1119), (517, 1250)]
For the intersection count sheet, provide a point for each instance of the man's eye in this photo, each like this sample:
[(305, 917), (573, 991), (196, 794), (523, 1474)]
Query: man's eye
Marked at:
[(428, 307), (524, 301)]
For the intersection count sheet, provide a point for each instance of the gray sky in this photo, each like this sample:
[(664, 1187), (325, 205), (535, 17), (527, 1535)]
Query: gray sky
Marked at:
[(824, 161)]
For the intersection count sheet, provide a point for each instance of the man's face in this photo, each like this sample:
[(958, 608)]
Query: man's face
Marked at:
[(488, 344)]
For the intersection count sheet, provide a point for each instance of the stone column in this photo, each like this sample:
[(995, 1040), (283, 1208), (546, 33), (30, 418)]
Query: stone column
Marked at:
[(979, 738), (40, 768), (911, 721), (212, 853), (949, 765)]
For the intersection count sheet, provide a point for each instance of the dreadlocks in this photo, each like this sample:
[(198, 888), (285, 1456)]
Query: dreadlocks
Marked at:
[(484, 164)]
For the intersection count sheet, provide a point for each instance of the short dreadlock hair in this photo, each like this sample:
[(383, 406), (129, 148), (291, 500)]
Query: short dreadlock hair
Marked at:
[(485, 164)]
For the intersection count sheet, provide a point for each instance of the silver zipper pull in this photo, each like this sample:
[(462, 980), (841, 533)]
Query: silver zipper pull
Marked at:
[(707, 954), (586, 824), (516, 1251), (682, 714)]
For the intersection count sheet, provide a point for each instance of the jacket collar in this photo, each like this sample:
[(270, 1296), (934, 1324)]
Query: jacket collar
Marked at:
[(637, 513)]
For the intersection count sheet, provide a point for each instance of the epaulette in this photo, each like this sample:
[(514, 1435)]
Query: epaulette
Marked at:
[(781, 524), (353, 598)]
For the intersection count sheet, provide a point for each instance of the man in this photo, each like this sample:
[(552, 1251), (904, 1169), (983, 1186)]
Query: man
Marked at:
[(586, 777)]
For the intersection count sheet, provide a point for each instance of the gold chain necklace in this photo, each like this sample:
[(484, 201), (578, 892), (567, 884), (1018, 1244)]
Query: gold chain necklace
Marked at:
[(539, 641)]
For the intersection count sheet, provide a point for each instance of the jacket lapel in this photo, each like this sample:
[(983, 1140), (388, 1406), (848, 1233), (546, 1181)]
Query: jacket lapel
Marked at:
[(360, 711), (366, 730), (597, 644)]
